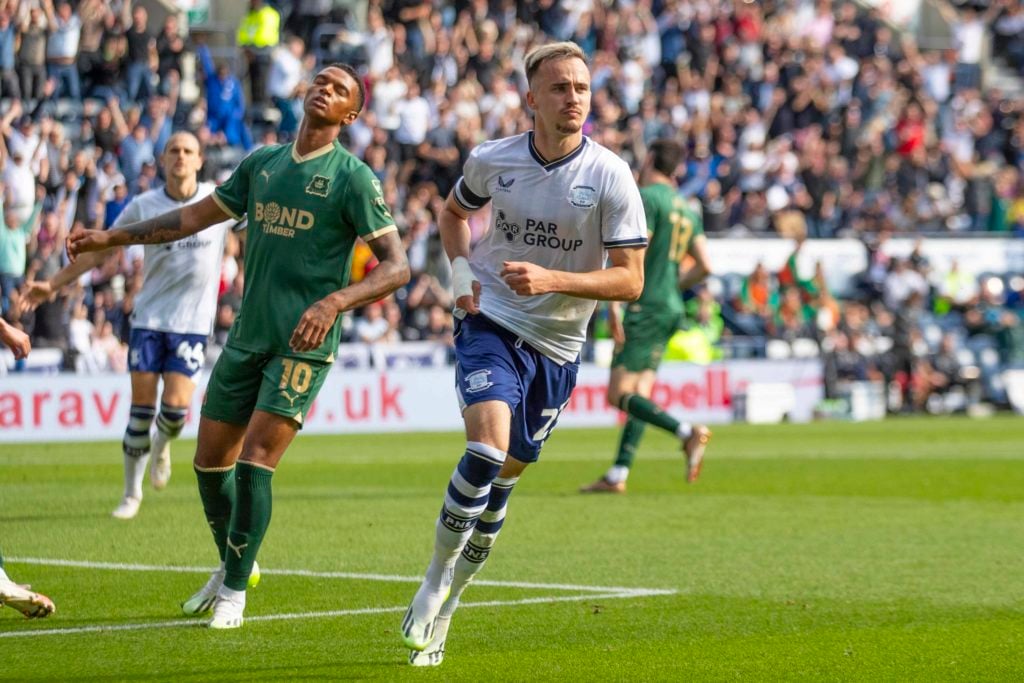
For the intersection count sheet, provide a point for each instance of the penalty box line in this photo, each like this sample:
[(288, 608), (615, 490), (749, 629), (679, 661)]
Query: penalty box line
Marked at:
[(357, 576), (196, 623)]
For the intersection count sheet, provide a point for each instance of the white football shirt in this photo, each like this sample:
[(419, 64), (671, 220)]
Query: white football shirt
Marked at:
[(562, 215), (181, 279)]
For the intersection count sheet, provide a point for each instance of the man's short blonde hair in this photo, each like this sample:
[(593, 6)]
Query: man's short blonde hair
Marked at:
[(545, 53)]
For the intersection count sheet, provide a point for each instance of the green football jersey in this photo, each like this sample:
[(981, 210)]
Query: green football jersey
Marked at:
[(305, 213), (671, 227)]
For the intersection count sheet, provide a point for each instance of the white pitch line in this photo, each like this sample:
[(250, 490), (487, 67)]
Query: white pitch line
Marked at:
[(85, 564), (183, 623)]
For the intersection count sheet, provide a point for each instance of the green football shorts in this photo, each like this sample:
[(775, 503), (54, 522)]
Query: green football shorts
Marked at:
[(244, 381), (647, 334)]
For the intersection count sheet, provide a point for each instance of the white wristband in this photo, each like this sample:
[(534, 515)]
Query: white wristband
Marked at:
[(462, 278)]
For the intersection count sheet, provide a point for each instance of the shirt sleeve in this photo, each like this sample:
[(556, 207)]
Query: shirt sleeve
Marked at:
[(623, 221), (233, 196), (471, 189), (364, 206)]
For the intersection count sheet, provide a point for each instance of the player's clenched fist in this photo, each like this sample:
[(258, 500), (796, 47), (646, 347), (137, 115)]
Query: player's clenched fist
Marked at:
[(313, 327), (526, 279), (87, 240), (470, 303)]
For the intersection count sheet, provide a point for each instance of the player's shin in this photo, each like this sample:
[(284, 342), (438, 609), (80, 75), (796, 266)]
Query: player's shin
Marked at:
[(135, 446), (466, 498), (217, 491), (250, 518), (478, 547), (645, 410), (629, 440), (169, 423)]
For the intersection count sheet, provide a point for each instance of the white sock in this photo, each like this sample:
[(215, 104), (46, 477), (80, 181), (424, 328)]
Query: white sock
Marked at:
[(480, 543), (617, 473), (231, 594), (134, 473), (685, 430), (3, 575)]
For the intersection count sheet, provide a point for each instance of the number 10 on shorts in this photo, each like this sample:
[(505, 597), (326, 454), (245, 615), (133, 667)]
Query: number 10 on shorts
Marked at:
[(296, 374)]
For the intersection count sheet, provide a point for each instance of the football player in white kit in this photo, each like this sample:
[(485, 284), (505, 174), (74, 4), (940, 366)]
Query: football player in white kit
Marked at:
[(523, 297), (172, 321)]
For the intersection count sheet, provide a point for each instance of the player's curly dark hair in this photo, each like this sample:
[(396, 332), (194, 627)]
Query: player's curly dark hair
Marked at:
[(359, 81)]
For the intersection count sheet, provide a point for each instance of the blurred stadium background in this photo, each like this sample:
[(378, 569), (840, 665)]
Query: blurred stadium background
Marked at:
[(858, 166)]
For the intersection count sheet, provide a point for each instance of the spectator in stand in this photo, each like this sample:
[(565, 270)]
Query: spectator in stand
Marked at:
[(901, 282), (371, 327), (31, 64), (170, 50), (136, 149), (49, 328), (792, 319), (307, 14), (287, 83), (15, 235), (94, 15), (258, 34), (9, 87), (225, 104), (379, 44), (115, 205), (968, 26), (955, 290), (16, 155), (110, 352), (414, 118), (158, 119), (64, 28), (141, 53)]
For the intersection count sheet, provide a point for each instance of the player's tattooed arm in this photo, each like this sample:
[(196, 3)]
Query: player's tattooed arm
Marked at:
[(391, 272), (166, 227)]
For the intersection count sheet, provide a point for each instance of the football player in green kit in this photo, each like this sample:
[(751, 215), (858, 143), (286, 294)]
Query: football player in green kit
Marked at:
[(306, 202), (674, 230)]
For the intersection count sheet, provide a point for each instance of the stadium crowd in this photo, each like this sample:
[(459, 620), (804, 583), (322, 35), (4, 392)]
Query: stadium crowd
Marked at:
[(806, 118)]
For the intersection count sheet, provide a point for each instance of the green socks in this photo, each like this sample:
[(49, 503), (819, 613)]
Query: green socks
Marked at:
[(644, 409), (250, 518), (632, 431), (217, 491)]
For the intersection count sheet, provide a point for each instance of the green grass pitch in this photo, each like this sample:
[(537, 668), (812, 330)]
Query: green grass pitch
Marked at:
[(887, 551)]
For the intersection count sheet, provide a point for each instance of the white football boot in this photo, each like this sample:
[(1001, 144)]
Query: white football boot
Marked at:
[(433, 655), (203, 599), (227, 610), (128, 508), (418, 623)]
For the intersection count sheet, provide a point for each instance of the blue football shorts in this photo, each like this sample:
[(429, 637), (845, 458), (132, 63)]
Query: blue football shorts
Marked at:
[(160, 352), (493, 364)]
